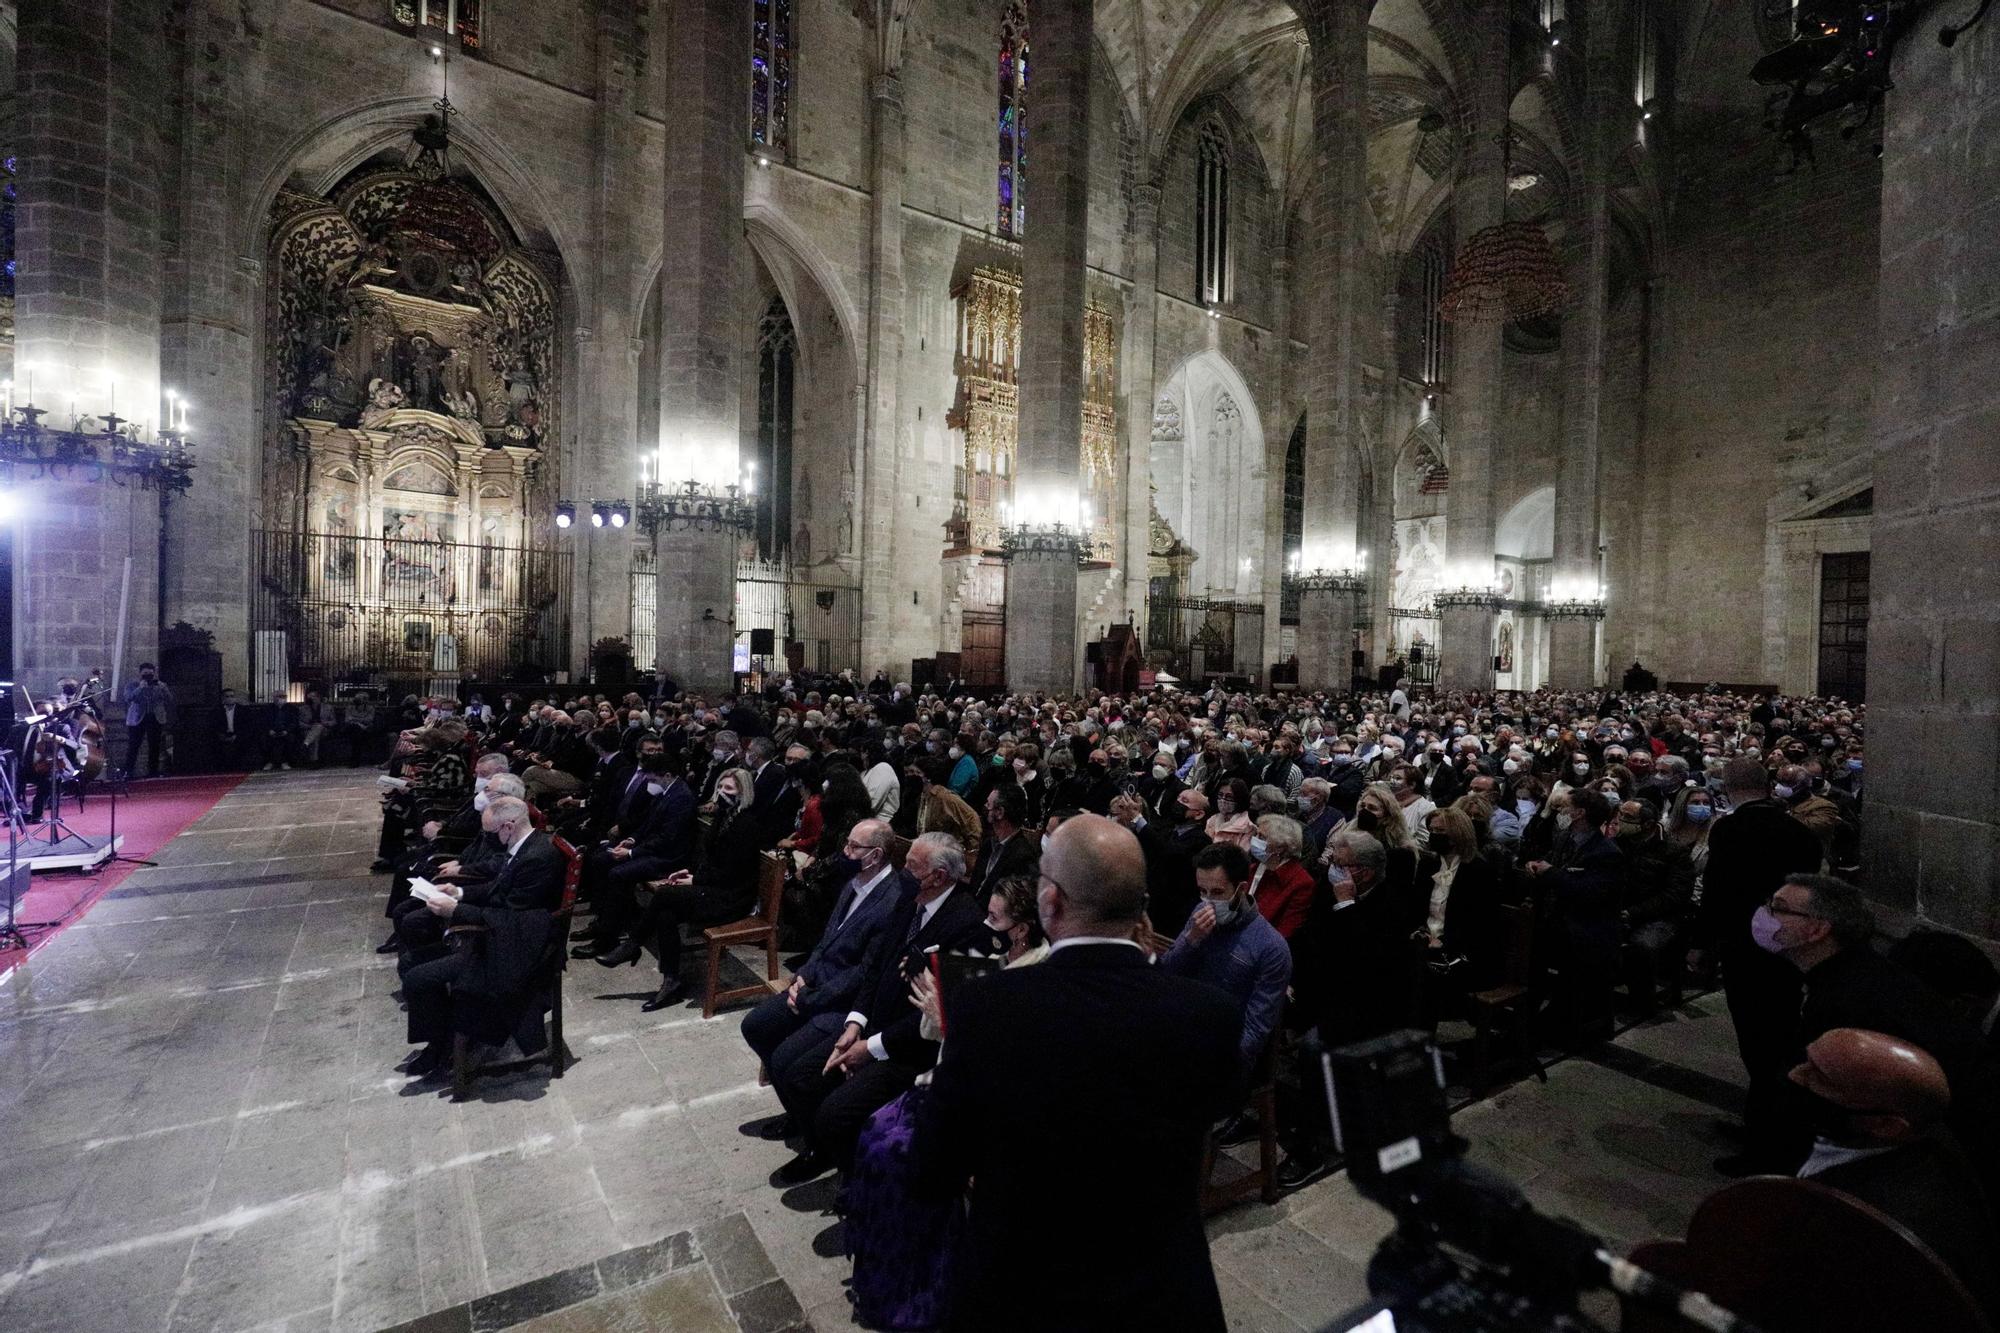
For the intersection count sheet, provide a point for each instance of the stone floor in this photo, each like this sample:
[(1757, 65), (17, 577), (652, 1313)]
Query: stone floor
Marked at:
[(205, 1130)]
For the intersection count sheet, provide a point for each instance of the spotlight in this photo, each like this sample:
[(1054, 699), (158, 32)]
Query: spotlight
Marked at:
[(1649, 108), (565, 514), (621, 514), (1557, 31), (599, 513)]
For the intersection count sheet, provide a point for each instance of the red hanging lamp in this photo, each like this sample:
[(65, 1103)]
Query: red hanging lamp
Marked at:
[(1504, 273)]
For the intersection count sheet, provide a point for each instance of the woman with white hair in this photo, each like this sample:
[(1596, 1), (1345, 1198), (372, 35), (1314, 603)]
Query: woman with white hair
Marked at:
[(1280, 886)]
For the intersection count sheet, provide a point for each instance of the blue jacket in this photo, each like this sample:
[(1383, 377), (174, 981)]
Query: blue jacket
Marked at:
[(1250, 961), (964, 776), (837, 965)]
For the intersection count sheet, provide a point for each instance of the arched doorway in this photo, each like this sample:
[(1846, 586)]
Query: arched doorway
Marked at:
[(1524, 547)]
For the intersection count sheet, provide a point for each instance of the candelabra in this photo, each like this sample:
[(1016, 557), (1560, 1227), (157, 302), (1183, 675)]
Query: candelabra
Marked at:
[(1330, 580), (1054, 542), (1579, 609), (694, 506), (118, 451), (1468, 599)]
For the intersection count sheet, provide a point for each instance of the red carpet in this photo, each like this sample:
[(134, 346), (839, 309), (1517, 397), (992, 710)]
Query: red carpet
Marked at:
[(157, 810)]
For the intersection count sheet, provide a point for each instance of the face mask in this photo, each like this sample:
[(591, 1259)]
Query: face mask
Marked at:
[(1782, 792), (1524, 808), (720, 755), (1368, 820), (1336, 875), (1342, 758), (1260, 849), (726, 799), (1764, 928), (478, 784), (1458, 731), (479, 802), (1630, 828), (955, 752), (1551, 733), (1509, 766), (1224, 912), (1854, 765), (1700, 814), (654, 789), (1225, 807), (1160, 772)]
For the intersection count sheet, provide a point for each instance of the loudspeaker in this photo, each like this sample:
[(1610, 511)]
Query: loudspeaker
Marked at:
[(1416, 654), (763, 642)]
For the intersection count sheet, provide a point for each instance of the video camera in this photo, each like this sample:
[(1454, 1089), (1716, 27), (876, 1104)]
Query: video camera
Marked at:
[(1469, 1254)]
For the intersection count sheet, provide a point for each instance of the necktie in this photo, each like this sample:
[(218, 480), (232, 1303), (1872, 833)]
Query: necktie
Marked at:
[(844, 906), (916, 924)]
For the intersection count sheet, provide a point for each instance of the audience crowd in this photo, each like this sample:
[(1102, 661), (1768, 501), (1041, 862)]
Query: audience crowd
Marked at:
[(1299, 871)]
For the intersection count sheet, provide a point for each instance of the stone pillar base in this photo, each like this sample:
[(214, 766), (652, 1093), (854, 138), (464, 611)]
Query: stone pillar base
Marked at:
[(1327, 607), (697, 606), (1466, 653), (1573, 654), (1041, 613)]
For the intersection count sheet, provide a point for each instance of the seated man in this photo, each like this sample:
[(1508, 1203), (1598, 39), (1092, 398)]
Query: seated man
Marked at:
[(1228, 944), (234, 739), (280, 732), (414, 933), (517, 913), (834, 1084), (660, 843), (1881, 1137), (828, 984), (442, 839)]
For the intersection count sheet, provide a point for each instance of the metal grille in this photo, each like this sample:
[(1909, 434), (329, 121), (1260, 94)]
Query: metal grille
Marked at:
[(367, 607), (645, 610)]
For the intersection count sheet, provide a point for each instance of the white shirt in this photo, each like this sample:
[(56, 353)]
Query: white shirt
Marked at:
[(1060, 945), (515, 846), (883, 789), (861, 892), (1826, 1155)]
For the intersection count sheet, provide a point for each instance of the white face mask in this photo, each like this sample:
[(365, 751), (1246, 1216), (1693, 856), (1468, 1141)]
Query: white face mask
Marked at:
[(654, 789), (479, 802), (479, 784)]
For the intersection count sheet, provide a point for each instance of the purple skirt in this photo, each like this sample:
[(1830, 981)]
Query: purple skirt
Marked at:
[(902, 1246)]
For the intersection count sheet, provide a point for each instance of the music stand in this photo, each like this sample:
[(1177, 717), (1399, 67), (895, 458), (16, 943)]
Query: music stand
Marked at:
[(51, 822), (10, 934)]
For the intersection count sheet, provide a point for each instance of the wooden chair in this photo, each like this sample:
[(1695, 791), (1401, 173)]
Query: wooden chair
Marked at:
[(1264, 1101), (555, 962), (899, 847), (1796, 1255), (761, 927), (1510, 1006)]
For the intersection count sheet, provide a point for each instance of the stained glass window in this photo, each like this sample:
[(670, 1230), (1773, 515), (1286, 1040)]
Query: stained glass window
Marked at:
[(1211, 215), (777, 349), (771, 74), (1014, 119), (437, 20)]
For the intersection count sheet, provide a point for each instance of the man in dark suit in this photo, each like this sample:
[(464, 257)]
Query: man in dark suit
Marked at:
[(1008, 850), (1080, 1094), (233, 735), (661, 843), (774, 797), (1750, 852), (515, 910), (1880, 1137), (839, 1081), (814, 1008)]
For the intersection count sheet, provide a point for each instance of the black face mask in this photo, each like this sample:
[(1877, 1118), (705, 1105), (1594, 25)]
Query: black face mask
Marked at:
[(1367, 822)]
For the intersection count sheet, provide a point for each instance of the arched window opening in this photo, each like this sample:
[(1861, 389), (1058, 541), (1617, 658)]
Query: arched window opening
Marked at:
[(771, 74), (1211, 221), (1014, 119), (437, 20), (777, 351)]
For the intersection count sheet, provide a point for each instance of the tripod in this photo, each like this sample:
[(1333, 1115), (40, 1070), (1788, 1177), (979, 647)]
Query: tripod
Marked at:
[(10, 934)]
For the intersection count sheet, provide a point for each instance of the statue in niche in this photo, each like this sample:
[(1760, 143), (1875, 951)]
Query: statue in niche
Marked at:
[(520, 377), (459, 399), (425, 364), (384, 398), (471, 285)]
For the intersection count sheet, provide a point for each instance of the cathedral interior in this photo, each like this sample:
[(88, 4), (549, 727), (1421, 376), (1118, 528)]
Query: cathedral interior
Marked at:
[(364, 348)]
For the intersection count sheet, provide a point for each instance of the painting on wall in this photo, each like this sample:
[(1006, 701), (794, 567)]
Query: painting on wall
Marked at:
[(1418, 571), (1505, 652)]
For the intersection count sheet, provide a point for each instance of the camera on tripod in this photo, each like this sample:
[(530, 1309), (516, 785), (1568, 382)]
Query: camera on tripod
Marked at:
[(1469, 1253)]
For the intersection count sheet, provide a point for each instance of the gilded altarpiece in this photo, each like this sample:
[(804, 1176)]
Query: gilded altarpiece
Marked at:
[(987, 410), (412, 385)]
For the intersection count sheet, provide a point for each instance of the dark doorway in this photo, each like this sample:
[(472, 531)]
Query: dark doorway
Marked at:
[(1843, 626)]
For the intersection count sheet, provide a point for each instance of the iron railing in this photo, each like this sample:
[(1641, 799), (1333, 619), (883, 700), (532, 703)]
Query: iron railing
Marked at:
[(364, 607)]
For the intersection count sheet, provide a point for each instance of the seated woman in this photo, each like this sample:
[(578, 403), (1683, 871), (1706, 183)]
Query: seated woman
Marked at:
[(902, 1245), (1280, 886), (1231, 821), (722, 887), (1453, 909)]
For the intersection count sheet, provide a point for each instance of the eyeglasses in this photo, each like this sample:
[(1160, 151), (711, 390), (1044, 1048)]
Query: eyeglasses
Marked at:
[(1778, 908)]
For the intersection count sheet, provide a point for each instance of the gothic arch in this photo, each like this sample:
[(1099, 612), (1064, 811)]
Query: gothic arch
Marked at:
[(1222, 434)]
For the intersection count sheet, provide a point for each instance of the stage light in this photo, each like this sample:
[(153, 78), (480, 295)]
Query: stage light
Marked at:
[(7, 506), (598, 513), (620, 515), (565, 514), (1557, 31)]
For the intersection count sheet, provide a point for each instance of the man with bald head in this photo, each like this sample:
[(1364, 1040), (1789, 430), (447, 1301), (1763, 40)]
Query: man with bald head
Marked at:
[(1880, 1107), (1080, 1094)]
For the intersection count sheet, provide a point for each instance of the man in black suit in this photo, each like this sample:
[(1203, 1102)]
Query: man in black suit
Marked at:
[(1080, 1094), (1750, 852), (515, 910), (1880, 1137), (233, 735), (838, 1082), (661, 843), (1008, 850), (824, 991), (774, 797)]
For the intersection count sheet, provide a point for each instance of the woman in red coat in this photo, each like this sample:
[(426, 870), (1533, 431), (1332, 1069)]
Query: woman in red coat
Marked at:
[(1280, 886)]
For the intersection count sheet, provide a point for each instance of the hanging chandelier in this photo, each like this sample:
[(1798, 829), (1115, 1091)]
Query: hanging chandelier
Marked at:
[(1504, 273)]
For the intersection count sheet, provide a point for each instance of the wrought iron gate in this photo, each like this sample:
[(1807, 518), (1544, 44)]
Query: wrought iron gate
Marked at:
[(362, 608)]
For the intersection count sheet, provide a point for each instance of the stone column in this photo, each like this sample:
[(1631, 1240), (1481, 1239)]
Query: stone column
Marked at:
[(1473, 426), (1042, 652), (707, 95), (1335, 283), (1931, 825), (892, 551), (1142, 322), (87, 320), (1573, 656), (207, 346)]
